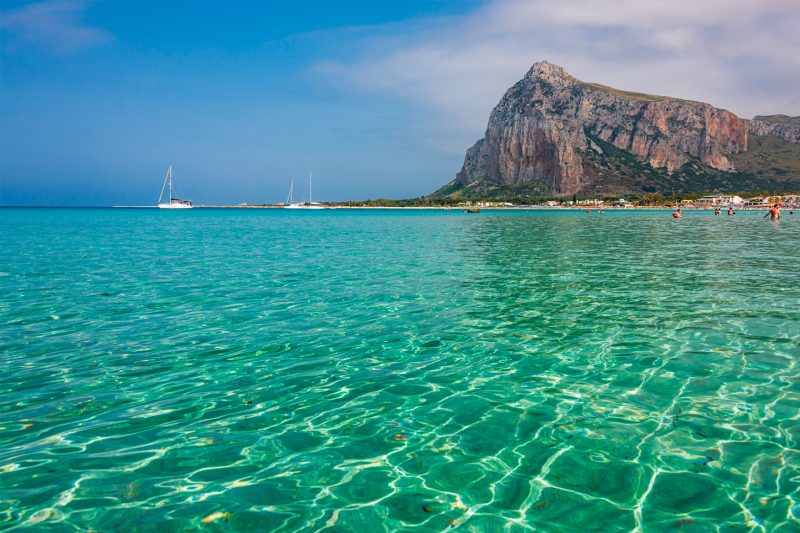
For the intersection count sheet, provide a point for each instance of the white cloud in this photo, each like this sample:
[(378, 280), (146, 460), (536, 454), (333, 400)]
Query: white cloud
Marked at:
[(742, 55), (53, 25)]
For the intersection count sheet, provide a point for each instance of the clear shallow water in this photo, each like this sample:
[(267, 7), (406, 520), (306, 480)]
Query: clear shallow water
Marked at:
[(385, 370)]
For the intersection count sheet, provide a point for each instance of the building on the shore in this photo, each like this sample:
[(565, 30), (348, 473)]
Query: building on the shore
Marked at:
[(772, 200), (495, 204), (721, 199), (754, 201), (486, 204), (622, 202), (792, 201)]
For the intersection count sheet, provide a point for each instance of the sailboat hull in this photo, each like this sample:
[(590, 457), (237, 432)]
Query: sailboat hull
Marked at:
[(175, 205)]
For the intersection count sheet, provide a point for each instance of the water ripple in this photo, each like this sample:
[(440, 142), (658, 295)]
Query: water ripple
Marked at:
[(362, 371)]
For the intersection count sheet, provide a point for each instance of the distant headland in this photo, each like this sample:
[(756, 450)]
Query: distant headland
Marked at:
[(552, 135)]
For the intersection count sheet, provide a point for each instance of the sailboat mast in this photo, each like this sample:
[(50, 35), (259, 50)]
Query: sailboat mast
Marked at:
[(164, 186), (309, 187), (170, 184)]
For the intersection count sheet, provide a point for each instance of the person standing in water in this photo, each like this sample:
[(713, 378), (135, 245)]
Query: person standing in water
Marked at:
[(677, 214), (774, 213), (716, 211), (730, 211)]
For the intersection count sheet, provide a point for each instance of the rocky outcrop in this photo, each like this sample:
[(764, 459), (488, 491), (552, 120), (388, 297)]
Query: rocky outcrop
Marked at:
[(542, 130), (783, 130)]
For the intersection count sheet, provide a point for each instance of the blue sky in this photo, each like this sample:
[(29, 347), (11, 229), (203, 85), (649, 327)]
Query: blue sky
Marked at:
[(380, 98)]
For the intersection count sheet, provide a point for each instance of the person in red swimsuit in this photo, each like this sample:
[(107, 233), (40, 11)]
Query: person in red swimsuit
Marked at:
[(774, 213)]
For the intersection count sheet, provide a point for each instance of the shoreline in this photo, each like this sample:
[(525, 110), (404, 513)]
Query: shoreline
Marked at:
[(463, 208)]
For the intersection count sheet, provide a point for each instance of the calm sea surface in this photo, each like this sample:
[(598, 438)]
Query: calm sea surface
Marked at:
[(236, 370)]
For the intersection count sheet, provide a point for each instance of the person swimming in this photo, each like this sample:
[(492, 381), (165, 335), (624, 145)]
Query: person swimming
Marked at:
[(677, 214), (774, 213)]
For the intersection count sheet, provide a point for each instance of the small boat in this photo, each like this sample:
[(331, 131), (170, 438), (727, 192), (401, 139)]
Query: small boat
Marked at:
[(174, 203), (473, 210), (291, 204)]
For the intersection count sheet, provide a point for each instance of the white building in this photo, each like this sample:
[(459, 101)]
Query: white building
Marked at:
[(494, 204), (721, 199)]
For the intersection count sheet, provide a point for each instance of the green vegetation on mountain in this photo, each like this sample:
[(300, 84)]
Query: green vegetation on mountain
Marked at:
[(639, 97), (771, 156), (770, 164), (486, 188)]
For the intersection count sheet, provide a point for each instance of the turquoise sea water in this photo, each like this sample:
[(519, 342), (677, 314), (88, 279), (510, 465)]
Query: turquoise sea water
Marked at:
[(254, 370)]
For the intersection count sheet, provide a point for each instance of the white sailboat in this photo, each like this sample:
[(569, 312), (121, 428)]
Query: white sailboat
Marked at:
[(174, 203), (291, 204)]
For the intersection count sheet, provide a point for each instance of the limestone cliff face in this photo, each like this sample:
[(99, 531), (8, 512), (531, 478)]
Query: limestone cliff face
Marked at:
[(541, 131)]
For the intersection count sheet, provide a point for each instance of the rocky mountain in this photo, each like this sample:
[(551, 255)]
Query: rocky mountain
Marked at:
[(552, 134)]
